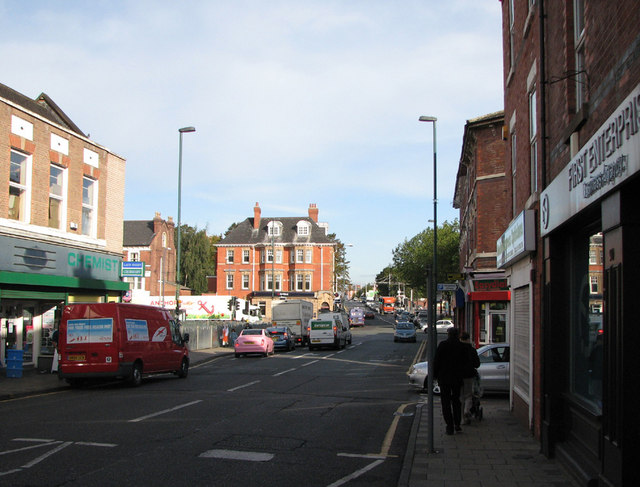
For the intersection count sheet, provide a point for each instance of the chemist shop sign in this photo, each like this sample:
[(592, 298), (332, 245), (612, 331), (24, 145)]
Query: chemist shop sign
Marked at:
[(611, 156)]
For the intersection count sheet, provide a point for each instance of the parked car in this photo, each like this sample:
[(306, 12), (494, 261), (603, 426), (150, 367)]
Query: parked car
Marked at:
[(254, 340), (493, 370), (369, 315), (283, 338), (404, 332)]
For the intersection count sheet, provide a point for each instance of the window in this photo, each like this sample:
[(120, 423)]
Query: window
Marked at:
[(308, 254), (245, 281), (594, 284), (512, 35), (307, 282), (135, 283), (514, 165), (592, 256), (269, 253), (134, 256), (274, 228), (304, 228), (56, 196), (245, 256), (230, 253), (164, 239), (578, 39), (299, 282), (533, 139), (585, 352), (299, 256), (229, 280), (19, 190), (278, 256), (89, 189), (269, 282)]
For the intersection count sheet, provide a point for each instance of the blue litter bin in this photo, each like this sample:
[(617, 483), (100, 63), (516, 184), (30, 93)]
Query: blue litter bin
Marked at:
[(14, 363)]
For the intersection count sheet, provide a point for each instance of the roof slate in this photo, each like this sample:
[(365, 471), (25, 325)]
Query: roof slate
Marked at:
[(137, 233), (43, 106), (245, 234)]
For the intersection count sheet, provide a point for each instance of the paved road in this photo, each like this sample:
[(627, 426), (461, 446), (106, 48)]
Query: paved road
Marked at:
[(326, 418)]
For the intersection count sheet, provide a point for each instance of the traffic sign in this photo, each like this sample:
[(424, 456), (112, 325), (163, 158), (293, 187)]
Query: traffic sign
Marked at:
[(447, 287), (455, 276)]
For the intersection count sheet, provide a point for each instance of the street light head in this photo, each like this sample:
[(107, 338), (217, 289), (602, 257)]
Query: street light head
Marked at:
[(427, 118), (186, 129)]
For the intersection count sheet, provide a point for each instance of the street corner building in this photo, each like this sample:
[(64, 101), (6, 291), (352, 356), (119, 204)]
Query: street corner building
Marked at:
[(569, 252), (264, 259), (61, 235)]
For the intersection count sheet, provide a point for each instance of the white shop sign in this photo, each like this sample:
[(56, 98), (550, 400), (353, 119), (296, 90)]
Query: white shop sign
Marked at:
[(610, 157)]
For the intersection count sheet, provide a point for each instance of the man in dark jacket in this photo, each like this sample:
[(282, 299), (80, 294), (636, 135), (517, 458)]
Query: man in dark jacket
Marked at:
[(448, 365)]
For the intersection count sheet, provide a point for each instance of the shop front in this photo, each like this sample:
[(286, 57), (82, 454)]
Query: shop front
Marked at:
[(488, 305), (36, 281), (590, 227)]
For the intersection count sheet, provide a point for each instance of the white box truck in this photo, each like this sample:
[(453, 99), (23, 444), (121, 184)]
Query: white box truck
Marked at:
[(294, 313)]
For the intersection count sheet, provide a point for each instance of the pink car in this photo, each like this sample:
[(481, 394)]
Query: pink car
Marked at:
[(254, 341)]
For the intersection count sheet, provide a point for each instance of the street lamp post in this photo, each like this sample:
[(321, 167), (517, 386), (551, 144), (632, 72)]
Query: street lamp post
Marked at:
[(431, 344), (182, 131)]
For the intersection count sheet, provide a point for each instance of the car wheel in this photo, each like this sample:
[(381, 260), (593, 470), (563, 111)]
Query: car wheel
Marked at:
[(184, 368), (135, 379), (237, 355)]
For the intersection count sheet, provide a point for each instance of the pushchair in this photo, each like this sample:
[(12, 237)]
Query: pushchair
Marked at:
[(476, 409)]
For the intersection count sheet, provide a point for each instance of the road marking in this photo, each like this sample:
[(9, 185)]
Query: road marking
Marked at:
[(238, 455), (48, 454), (309, 363), (283, 372), (142, 418), (356, 474), (243, 386), (58, 446), (386, 444)]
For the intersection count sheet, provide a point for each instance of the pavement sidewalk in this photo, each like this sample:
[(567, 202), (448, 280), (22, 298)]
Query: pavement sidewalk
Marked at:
[(496, 451)]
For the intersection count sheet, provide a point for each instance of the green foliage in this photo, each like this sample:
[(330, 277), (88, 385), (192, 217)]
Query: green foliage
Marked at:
[(413, 259), (343, 280), (196, 258)]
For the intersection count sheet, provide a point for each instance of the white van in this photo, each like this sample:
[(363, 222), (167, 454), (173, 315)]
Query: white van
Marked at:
[(329, 330)]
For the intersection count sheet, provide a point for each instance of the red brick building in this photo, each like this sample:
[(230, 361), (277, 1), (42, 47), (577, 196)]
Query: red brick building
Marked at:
[(265, 258), (481, 196), (151, 242), (572, 124)]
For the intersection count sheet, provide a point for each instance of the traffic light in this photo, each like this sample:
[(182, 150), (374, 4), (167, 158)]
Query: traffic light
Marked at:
[(230, 304), (237, 304)]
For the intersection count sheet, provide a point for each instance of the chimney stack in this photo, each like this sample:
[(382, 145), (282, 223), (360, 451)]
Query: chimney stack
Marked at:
[(256, 216), (313, 212)]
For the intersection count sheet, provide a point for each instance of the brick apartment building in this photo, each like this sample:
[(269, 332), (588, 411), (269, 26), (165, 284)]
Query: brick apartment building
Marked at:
[(267, 258), (572, 124), (151, 242), (61, 236), (481, 197)]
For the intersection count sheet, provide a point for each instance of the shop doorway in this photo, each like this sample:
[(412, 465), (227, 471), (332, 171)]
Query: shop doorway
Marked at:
[(493, 322)]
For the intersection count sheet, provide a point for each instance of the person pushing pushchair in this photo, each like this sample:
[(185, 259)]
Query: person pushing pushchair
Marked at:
[(471, 382)]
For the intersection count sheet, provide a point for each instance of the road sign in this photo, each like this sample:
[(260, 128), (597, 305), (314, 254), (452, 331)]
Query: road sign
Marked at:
[(455, 276), (132, 269), (447, 287)]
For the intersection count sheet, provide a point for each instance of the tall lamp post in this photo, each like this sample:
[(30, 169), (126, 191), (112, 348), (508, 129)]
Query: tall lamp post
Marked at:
[(182, 131), (431, 345)]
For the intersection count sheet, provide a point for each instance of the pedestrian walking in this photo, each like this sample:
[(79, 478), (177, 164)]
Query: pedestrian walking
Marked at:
[(450, 360), (469, 374)]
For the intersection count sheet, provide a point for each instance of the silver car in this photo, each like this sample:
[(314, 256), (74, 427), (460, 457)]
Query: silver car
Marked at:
[(493, 370), (404, 332)]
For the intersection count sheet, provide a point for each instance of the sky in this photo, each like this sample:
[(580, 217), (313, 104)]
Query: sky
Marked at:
[(294, 102)]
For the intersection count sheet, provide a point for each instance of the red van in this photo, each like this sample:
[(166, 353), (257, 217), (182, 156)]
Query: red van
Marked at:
[(118, 340)]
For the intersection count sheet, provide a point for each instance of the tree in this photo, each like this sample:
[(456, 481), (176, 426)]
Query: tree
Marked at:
[(342, 279), (196, 262), (413, 259)]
